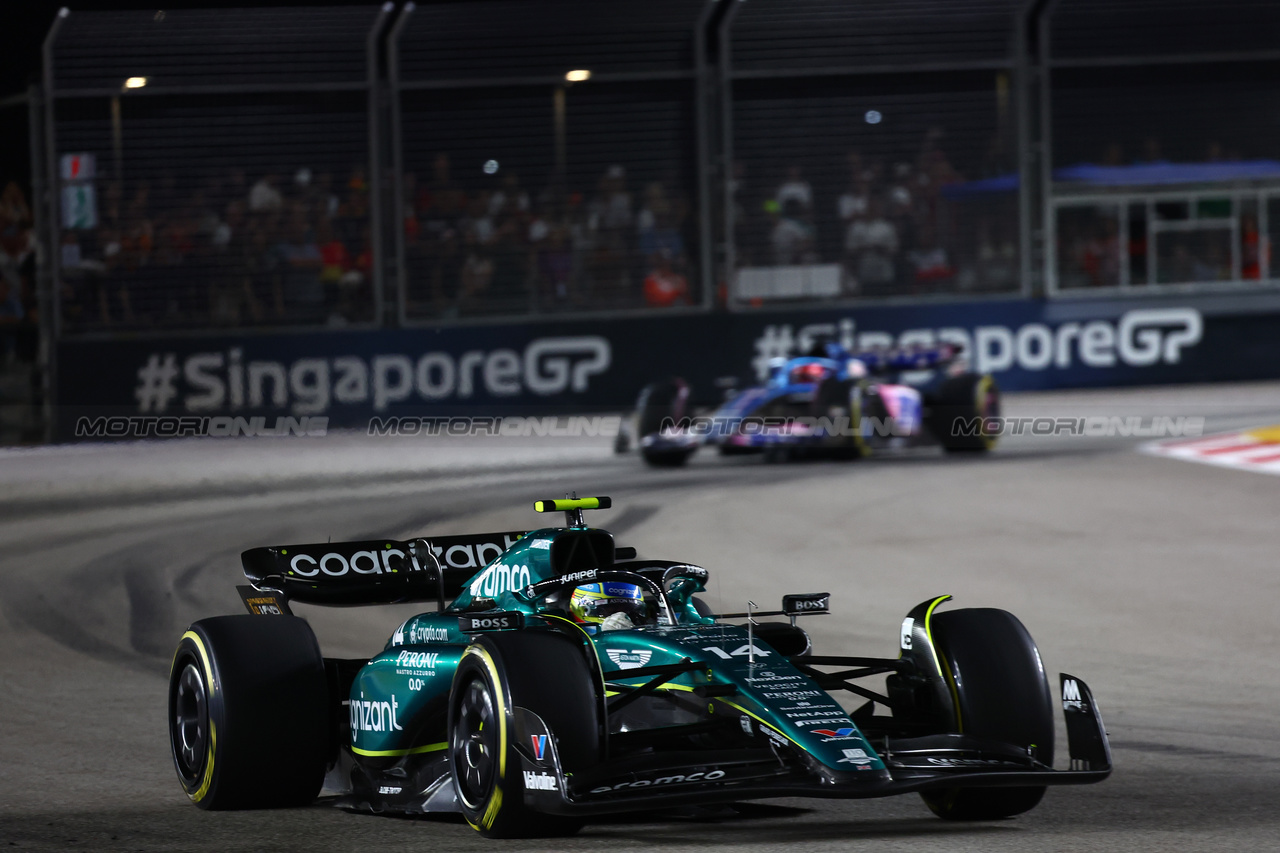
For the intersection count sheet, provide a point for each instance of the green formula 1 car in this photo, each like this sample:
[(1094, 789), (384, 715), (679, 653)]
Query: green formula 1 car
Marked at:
[(560, 677)]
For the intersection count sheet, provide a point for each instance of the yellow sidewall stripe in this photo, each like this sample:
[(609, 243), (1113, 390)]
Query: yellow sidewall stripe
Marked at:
[(494, 806), (207, 781)]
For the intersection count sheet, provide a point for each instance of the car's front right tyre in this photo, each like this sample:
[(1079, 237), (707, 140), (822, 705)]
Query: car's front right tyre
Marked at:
[(1001, 693)]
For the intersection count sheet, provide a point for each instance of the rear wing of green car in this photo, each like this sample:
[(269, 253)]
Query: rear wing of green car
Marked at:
[(374, 571)]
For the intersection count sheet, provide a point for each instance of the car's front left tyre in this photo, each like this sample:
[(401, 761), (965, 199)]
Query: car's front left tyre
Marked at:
[(541, 672), (249, 723)]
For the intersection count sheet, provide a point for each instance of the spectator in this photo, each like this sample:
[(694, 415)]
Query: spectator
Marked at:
[(1151, 152), (264, 196), (664, 286), (794, 188), (928, 262), (510, 192), (1251, 248), (612, 221), (657, 227), (509, 250), (870, 246), (856, 199), (475, 276), (792, 236), (302, 290), (550, 236)]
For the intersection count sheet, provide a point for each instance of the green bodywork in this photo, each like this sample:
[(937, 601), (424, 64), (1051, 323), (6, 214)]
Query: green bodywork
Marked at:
[(398, 701)]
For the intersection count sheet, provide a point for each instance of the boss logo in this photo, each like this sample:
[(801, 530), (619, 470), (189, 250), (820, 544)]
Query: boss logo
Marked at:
[(494, 622), (801, 604)]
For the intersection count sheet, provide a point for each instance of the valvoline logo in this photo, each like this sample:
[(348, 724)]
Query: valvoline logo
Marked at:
[(833, 733), (539, 746)]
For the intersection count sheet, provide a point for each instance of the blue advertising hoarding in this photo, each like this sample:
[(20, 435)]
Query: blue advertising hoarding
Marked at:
[(564, 366)]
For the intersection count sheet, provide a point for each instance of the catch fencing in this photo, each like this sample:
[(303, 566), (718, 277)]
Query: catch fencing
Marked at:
[(452, 162)]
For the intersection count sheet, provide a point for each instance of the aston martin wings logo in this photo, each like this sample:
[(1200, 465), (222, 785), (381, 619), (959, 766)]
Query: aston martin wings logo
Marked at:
[(630, 658)]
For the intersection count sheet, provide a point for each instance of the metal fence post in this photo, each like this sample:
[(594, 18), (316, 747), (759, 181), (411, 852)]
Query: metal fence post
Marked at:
[(702, 97), (1048, 216), (45, 296), (375, 160), (1026, 159), (397, 158), (51, 328), (726, 145), (51, 168)]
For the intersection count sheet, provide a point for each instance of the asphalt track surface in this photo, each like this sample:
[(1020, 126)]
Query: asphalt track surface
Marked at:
[(1153, 579)]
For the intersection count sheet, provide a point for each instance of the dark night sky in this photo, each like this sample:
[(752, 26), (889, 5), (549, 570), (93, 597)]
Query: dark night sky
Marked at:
[(23, 25)]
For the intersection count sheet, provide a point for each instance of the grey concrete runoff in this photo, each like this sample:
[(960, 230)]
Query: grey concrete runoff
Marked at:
[(1154, 579)]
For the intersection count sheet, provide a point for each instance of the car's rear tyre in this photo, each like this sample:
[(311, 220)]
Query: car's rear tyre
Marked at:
[(666, 458), (841, 400), (955, 406), (659, 403), (249, 721), (545, 673), (1001, 693)]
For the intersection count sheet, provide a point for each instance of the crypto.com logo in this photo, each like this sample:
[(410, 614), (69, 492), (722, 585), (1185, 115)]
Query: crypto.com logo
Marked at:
[(225, 381)]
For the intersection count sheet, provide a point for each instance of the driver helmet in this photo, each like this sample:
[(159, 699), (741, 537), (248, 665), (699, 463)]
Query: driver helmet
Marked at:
[(607, 606)]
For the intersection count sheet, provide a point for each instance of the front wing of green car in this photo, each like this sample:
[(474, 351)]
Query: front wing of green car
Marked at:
[(796, 740)]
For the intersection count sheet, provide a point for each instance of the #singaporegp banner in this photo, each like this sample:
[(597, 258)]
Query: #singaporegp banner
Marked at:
[(566, 366)]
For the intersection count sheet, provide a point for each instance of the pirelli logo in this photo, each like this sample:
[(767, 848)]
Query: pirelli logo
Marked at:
[(260, 603)]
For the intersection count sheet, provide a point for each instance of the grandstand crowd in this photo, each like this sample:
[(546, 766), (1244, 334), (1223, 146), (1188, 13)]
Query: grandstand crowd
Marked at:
[(227, 252), (19, 313), (889, 226), (235, 249), (297, 249)]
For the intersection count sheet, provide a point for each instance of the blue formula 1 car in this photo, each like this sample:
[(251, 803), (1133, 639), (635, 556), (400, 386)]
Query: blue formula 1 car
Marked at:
[(559, 678), (830, 402)]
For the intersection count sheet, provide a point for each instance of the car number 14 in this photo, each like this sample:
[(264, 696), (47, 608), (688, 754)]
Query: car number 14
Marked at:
[(740, 651)]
